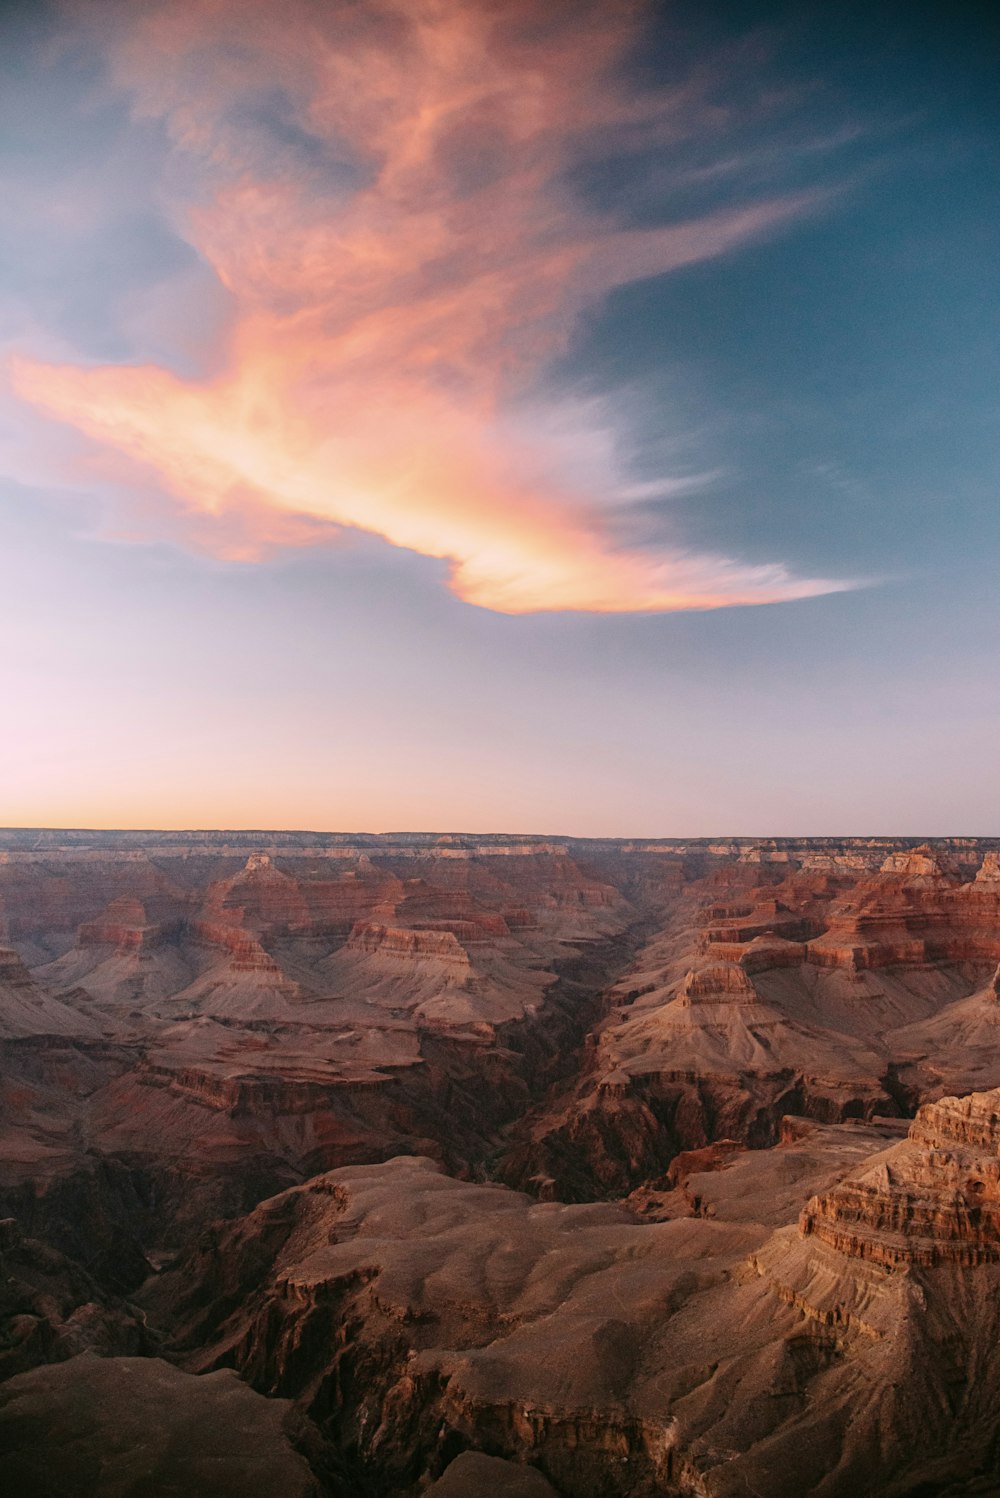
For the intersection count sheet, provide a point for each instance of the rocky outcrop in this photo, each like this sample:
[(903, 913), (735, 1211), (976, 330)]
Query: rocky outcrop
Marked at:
[(474, 1474), (371, 937), (915, 863), (765, 918), (426, 907), (329, 1295), (13, 973), (137, 1427), (723, 982), (126, 926), (27, 1010), (45, 898), (933, 1199), (301, 898), (765, 953), (712, 1354), (246, 953), (915, 911)]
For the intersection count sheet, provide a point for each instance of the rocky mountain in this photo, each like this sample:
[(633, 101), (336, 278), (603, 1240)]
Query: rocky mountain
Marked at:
[(572, 1167)]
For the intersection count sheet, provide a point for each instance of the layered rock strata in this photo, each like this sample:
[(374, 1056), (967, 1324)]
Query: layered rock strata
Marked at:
[(932, 1199), (190, 1025), (709, 1355)]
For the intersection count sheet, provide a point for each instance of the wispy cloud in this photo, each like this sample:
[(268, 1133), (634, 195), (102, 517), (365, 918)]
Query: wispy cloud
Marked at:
[(383, 190)]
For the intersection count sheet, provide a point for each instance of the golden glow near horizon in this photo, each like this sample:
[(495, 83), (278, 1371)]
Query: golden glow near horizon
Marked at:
[(381, 334)]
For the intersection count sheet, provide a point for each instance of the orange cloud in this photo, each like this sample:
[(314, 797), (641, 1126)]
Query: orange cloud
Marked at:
[(392, 301)]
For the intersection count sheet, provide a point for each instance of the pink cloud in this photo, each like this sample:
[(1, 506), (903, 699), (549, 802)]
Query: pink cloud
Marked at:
[(384, 322)]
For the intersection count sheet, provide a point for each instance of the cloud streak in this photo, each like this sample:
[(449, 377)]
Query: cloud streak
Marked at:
[(383, 190)]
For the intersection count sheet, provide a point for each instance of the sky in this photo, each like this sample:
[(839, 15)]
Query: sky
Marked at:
[(499, 416)]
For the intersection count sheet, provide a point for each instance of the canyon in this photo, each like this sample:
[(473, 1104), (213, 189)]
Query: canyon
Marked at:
[(391, 1165)]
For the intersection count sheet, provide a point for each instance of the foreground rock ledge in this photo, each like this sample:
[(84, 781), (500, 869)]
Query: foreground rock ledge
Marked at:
[(135, 1427), (741, 1350)]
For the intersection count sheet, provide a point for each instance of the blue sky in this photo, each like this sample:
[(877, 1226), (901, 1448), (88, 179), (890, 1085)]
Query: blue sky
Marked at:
[(737, 342)]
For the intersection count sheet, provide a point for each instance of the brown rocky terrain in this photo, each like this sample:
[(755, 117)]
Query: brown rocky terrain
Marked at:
[(710, 1352), (548, 1166), (52, 1309), (127, 1427), (769, 991)]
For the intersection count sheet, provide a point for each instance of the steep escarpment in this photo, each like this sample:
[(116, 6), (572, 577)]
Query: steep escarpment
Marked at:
[(898, 1261), (933, 1199)]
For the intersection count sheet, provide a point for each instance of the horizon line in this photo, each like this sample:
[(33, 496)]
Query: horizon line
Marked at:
[(440, 833)]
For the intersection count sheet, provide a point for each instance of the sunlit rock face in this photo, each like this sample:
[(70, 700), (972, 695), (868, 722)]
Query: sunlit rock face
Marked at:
[(706, 1339), (932, 1199), (623, 1167)]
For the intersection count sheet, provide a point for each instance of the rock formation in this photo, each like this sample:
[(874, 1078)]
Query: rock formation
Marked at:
[(134, 1427), (932, 1199), (712, 1353), (568, 1168), (27, 1010), (473, 1474)]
